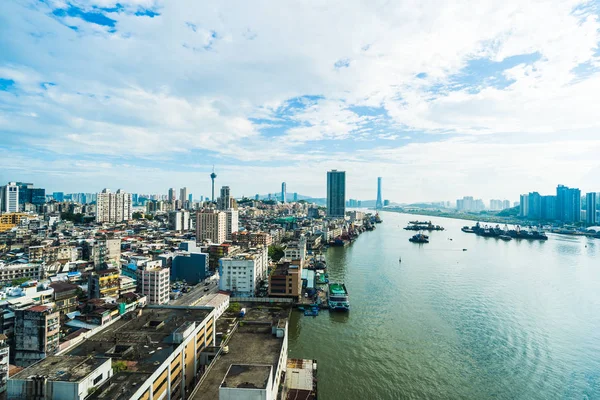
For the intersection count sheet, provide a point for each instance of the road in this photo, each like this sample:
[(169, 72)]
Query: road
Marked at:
[(197, 292)]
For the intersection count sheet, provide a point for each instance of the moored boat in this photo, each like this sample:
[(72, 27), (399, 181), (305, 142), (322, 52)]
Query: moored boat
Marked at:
[(337, 297)]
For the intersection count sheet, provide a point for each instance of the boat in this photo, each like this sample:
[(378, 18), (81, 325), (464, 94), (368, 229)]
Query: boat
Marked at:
[(506, 238), (424, 226), (419, 238), (337, 297), (466, 229)]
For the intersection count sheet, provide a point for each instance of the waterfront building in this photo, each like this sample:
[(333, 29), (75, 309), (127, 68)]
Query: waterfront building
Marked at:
[(469, 204), (9, 198), (534, 207), (568, 204), (243, 272), (590, 207), (165, 350), (379, 202), (179, 220), (283, 190), (336, 193), (286, 279), (524, 205), (549, 208), (211, 225), (154, 284), (113, 207), (36, 334)]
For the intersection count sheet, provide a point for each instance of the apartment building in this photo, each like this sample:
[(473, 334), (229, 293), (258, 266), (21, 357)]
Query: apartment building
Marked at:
[(211, 225), (36, 334), (243, 273), (154, 284), (113, 207)]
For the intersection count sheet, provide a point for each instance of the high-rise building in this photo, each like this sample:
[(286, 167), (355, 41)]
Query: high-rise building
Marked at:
[(58, 196), (179, 220), (9, 198), (568, 204), (283, 189), (534, 208), (211, 225), (336, 193), (190, 198), (183, 194), (225, 200), (590, 209), (171, 196), (505, 204), (295, 197), (113, 207), (379, 202), (232, 222), (549, 208), (524, 205)]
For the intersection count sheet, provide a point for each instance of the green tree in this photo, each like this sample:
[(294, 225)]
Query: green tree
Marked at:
[(276, 252), (19, 281)]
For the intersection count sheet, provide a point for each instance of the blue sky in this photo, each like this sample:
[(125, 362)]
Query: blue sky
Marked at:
[(479, 98)]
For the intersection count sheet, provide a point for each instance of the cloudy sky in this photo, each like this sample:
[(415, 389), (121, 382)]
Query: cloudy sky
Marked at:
[(441, 99)]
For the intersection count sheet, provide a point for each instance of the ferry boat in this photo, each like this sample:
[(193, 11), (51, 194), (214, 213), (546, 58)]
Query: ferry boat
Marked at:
[(337, 297)]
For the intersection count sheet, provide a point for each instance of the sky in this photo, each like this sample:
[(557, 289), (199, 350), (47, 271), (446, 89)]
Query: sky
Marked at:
[(441, 99)]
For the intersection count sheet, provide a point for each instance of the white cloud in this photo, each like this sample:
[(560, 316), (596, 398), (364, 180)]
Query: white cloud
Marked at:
[(189, 82)]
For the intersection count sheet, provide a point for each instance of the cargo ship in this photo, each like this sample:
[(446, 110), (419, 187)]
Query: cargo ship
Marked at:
[(423, 226), (505, 233), (337, 297)]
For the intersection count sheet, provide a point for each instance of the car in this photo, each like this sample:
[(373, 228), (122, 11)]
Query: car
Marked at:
[(206, 289)]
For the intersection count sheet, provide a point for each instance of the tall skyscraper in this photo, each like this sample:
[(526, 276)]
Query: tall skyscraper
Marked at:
[(9, 198), (190, 198), (113, 207), (183, 194), (379, 203), (171, 197), (58, 196), (225, 200), (212, 178), (336, 193), (232, 222), (590, 209), (568, 204), (283, 188), (534, 209), (295, 197), (549, 208)]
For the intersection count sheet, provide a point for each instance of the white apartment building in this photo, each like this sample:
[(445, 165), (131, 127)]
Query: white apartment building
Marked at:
[(211, 225), (113, 207), (179, 220), (154, 284), (242, 273), (232, 222), (9, 198), (19, 270)]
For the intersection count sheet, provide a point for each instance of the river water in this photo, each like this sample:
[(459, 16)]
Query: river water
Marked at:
[(502, 320)]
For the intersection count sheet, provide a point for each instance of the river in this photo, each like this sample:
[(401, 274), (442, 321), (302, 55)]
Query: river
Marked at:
[(502, 320)]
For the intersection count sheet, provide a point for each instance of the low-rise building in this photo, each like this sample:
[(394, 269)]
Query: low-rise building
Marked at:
[(242, 273), (65, 297), (18, 270), (104, 283), (286, 279), (154, 354)]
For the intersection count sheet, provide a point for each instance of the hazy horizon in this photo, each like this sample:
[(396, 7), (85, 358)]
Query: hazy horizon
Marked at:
[(441, 100)]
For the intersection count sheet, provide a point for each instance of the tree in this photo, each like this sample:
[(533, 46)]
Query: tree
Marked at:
[(276, 252), (19, 281)]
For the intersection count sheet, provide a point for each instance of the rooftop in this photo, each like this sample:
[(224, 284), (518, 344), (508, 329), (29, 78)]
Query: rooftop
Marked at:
[(247, 376), (62, 368), (145, 341), (249, 344), (122, 385)]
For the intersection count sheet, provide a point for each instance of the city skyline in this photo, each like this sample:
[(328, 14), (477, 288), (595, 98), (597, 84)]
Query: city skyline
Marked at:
[(439, 113)]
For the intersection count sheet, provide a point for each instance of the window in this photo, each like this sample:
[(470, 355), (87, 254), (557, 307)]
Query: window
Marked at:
[(98, 379)]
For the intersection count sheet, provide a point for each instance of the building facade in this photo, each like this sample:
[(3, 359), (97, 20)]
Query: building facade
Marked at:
[(243, 273), (336, 193), (232, 222), (154, 284), (9, 198), (36, 334), (211, 225), (568, 204), (283, 192), (590, 208), (113, 207), (179, 220)]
